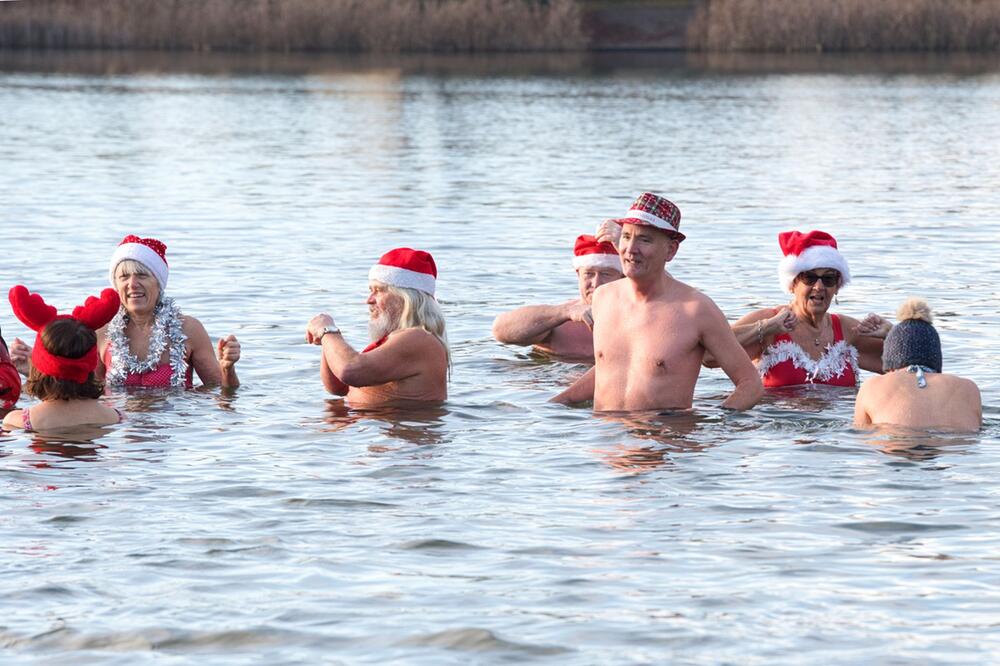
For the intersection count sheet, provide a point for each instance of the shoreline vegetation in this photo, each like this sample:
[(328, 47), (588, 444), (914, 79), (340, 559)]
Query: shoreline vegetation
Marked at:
[(502, 26), (375, 26), (846, 25)]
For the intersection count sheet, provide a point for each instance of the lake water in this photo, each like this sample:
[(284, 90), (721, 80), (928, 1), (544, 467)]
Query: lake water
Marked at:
[(276, 526)]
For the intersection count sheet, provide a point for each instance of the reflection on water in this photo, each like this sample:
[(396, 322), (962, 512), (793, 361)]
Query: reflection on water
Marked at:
[(420, 425), (670, 433), (276, 524), (919, 445)]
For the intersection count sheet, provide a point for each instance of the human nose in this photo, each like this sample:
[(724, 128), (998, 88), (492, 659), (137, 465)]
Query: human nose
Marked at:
[(370, 300)]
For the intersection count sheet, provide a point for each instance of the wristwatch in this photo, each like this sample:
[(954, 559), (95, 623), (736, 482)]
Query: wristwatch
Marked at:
[(328, 329)]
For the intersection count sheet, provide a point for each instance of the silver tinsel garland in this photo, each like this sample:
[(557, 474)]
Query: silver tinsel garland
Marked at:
[(167, 329)]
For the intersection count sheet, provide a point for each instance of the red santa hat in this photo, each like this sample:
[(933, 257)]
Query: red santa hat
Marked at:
[(588, 253), (804, 252), (403, 267), (149, 252), (654, 211)]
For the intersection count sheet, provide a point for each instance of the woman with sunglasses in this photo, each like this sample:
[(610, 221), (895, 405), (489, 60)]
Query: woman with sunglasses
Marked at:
[(803, 343)]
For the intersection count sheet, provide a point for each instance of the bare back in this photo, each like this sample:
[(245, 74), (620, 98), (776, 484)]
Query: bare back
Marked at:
[(647, 351), (948, 401), (416, 364)]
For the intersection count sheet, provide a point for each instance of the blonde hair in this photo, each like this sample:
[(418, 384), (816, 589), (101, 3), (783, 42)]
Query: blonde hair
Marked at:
[(421, 310)]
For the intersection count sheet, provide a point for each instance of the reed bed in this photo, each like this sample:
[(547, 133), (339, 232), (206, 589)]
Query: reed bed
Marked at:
[(846, 25), (383, 26)]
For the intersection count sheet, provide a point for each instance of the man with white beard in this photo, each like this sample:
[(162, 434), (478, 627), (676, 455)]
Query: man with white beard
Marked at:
[(408, 359)]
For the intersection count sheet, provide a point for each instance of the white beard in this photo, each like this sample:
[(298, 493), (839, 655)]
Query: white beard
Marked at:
[(381, 326)]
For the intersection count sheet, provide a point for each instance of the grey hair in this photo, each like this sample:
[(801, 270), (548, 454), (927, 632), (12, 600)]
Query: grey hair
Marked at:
[(421, 310), (133, 267)]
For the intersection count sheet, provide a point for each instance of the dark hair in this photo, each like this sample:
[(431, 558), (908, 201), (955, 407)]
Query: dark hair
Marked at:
[(72, 339)]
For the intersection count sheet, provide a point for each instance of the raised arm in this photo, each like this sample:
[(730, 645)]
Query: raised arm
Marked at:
[(215, 364), (754, 330), (405, 353), (533, 324), (719, 340), (331, 381), (868, 336)]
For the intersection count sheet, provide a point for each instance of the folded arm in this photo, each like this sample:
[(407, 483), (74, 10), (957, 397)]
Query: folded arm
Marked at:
[(533, 324)]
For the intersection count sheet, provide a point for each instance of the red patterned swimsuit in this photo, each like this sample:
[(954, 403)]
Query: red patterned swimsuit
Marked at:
[(156, 378), (785, 363)]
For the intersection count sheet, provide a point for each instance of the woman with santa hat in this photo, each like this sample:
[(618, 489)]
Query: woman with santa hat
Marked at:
[(150, 343), (802, 342)]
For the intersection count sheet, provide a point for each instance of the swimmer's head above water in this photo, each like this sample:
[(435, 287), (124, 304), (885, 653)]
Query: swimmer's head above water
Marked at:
[(596, 264), (914, 340)]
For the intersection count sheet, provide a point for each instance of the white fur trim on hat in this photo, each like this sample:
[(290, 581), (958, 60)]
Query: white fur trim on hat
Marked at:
[(598, 260), (402, 277), (145, 256), (648, 218), (817, 256)]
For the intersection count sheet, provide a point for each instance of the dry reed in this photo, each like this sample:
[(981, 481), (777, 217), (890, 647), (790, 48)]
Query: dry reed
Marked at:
[(293, 25), (846, 25)]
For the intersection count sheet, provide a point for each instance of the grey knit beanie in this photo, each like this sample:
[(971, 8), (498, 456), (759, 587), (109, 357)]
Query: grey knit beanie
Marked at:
[(914, 340)]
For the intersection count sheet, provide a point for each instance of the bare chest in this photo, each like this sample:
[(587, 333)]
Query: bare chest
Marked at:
[(657, 337)]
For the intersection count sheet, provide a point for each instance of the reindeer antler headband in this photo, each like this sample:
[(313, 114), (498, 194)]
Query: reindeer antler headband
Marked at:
[(36, 314)]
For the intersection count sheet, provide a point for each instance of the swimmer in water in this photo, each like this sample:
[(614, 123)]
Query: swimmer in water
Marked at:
[(564, 329), (802, 342), (150, 343), (408, 359), (651, 331), (914, 392), (63, 364)]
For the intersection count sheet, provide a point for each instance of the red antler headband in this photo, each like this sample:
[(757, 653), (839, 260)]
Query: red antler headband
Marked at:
[(36, 315)]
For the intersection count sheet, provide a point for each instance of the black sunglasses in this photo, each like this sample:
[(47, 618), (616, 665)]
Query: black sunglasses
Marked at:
[(829, 279)]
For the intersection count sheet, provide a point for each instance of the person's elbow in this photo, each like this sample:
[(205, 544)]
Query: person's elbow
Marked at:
[(749, 391), (500, 331), (354, 375), (332, 383)]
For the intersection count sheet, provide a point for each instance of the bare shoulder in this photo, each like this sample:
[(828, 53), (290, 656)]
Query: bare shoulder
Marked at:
[(14, 419), (191, 325), (610, 289), (414, 337), (691, 297), (967, 387), (607, 294), (876, 382)]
